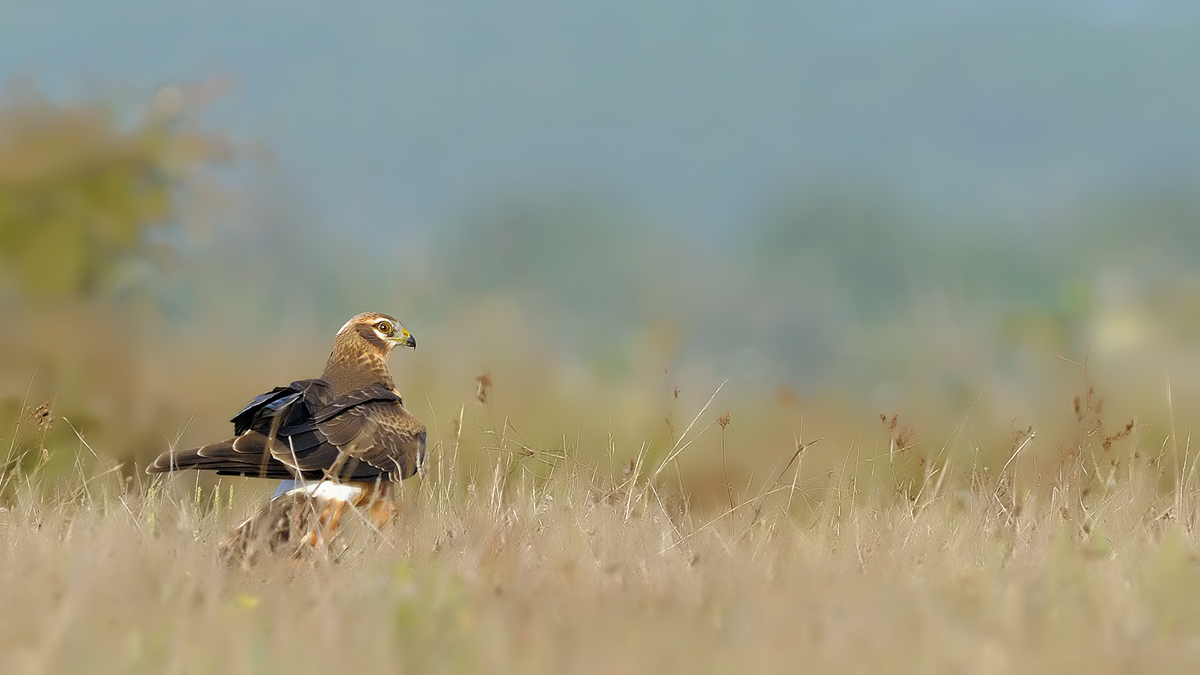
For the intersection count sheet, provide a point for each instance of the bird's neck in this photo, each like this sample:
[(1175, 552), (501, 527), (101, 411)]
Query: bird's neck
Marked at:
[(345, 374)]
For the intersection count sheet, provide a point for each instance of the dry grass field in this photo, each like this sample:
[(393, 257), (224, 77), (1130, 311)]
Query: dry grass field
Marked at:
[(508, 558)]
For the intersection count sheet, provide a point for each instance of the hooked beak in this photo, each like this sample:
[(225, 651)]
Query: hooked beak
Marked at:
[(405, 338)]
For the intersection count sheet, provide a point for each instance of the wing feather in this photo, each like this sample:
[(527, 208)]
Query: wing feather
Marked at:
[(302, 431), (382, 434)]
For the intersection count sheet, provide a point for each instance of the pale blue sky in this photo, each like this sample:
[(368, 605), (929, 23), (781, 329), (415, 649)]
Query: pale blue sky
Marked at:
[(398, 115)]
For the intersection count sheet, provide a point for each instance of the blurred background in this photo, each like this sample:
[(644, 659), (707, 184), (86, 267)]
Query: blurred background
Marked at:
[(845, 209)]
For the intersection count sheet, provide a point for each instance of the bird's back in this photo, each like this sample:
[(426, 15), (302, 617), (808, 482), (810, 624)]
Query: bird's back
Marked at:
[(350, 424)]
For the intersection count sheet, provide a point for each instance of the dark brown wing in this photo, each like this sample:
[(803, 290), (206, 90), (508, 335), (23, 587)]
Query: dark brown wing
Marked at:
[(296, 431), (379, 435), (284, 413), (283, 407)]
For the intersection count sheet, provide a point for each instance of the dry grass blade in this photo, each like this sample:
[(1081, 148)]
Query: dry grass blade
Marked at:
[(679, 445)]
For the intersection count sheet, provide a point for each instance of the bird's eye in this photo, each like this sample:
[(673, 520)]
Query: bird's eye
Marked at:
[(383, 327)]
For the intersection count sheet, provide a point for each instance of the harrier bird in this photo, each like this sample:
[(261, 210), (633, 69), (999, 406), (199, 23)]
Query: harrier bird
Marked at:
[(347, 432)]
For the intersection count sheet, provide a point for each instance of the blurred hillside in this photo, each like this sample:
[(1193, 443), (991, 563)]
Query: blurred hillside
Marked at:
[(844, 212), (168, 309)]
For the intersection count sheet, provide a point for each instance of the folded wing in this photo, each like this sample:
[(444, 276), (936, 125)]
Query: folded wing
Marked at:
[(302, 431)]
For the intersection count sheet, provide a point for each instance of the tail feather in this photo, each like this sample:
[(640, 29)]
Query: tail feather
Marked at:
[(207, 457), (228, 460)]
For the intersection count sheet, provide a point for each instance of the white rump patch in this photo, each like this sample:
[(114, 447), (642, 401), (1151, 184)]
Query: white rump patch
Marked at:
[(326, 489)]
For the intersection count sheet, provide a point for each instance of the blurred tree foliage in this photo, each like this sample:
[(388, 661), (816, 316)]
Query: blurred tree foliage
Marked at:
[(81, 189)]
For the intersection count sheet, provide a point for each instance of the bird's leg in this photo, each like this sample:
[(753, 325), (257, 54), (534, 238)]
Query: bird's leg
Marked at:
[(374, 498), (339, 508), (380, 504), (381, 511), (326, 526)]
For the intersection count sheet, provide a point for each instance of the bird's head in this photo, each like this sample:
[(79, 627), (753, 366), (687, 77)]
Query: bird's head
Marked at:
[(372, 332)]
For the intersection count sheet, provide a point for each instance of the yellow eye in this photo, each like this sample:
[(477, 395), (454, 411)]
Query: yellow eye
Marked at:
[(384, 327)]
